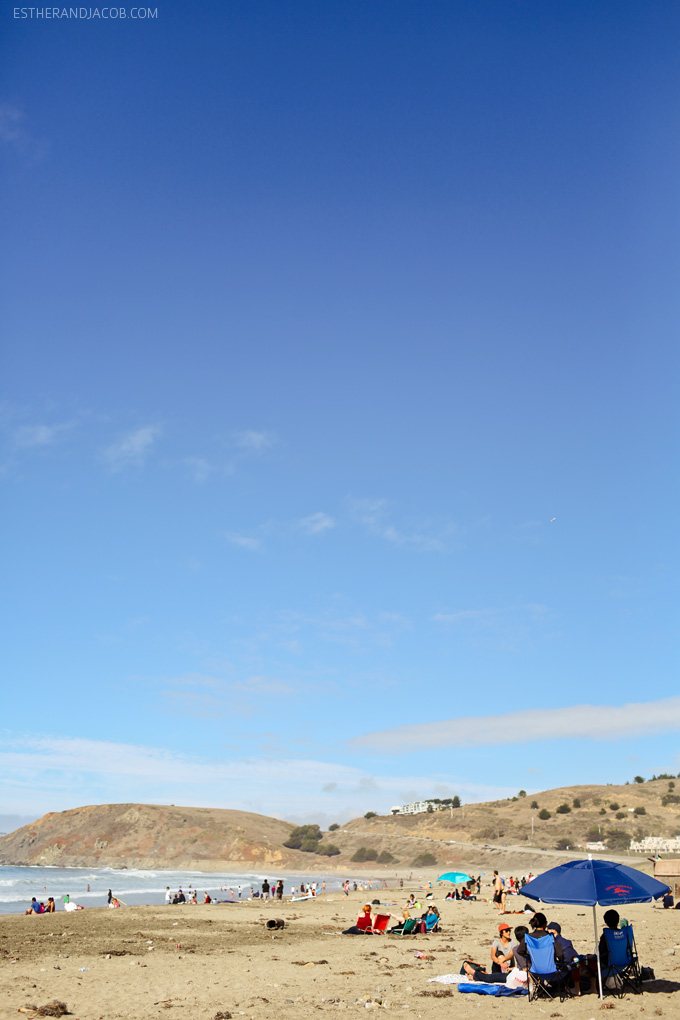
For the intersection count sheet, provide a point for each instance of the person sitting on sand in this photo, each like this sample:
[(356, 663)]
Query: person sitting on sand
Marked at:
[(35, 907), (569, 953), (401, 921), (611, 919), (193, 898), (538, 931), (428, 915), (208, 897), (505, 958), (364, 925), (50, 906), (502, 958)]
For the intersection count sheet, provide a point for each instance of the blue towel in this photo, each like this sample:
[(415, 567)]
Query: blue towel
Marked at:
[(482, 989)]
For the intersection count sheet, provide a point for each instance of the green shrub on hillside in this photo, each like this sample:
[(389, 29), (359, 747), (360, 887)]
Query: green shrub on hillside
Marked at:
[(617, 839), (670, 798), (327, 849), (613, 806), (365, 853), (638, 779), (334, 827), (563, 809), (371, 814), (544, 814), (426, 860), (386, 858), (534, 804), (576, 802), (304, 837), (563, 843), (620, 814), (640, 811)]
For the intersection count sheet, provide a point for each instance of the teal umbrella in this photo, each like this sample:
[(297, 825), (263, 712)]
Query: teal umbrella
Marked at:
[(454, 876)]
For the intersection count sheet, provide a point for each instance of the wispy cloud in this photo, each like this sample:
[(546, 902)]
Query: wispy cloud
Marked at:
[(244, 541), (317, 523), (15, 133), (132, 449), (372, 515), (40, 435), (490, 617), (253, 441), (44, 772), (513, 627), (200, 468), (597, 722)]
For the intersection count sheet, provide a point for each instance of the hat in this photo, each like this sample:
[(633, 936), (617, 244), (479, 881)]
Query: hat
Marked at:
[(503, 927), (554, 926)]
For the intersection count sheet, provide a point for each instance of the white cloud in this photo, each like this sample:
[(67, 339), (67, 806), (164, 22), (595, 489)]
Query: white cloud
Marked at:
[(490, 617), (597, 722), (254, 442), (40, 773), (199, 468), (371, 514), (243, 541), (39, 435), (132, 448), (317, 523), (15, 133)]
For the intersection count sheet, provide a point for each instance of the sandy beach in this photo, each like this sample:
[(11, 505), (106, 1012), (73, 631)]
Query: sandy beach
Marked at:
[(217, 960)]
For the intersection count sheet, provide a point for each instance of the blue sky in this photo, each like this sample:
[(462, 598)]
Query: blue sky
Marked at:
[(339, 403)]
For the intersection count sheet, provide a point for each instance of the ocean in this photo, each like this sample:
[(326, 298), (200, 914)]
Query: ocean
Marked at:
[(89, 886)]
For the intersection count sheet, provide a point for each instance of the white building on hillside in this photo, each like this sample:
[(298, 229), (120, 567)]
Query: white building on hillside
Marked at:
[(418, 807), (656, 844)]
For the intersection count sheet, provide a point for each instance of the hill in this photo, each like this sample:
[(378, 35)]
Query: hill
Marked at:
[(512, 834), (149, 836)]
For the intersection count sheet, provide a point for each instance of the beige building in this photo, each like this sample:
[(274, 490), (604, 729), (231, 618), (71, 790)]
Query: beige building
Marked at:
[(669, 872)]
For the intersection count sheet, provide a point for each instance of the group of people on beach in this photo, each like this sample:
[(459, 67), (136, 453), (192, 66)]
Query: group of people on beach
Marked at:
[(510, 957), (369, 921)]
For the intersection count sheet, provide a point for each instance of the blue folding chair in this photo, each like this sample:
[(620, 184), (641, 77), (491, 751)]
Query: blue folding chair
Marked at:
[(621, 972), (545, 980)]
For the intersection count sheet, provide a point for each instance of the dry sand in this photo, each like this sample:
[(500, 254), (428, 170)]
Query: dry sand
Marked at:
[(197, 962)]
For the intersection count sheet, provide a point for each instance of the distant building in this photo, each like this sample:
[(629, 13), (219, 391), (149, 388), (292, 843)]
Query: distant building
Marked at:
[(418, 807), (656, 844), (596, 846)]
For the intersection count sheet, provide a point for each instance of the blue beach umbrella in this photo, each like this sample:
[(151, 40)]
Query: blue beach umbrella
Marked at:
[(454, 876), (587, 883)]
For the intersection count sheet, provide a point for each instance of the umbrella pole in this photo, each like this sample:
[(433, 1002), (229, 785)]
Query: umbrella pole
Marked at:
[(597, 952)]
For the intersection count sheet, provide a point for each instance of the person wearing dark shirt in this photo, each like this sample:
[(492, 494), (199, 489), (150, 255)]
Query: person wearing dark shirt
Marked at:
[(611, 919), (538, 925)]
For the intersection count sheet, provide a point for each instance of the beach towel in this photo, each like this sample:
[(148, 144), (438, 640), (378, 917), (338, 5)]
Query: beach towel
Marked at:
[(482, 989)]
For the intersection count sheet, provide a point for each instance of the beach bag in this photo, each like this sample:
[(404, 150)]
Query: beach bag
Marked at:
[(517, 978)]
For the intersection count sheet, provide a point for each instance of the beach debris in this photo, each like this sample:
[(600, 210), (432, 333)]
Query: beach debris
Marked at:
[(438, 993), (53, 1008), (222, 1015)]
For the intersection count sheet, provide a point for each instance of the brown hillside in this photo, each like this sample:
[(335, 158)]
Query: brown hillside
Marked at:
[(150, 836), (474, 837)]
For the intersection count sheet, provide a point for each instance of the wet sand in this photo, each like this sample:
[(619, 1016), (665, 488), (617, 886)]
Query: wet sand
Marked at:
[(195, 962)]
